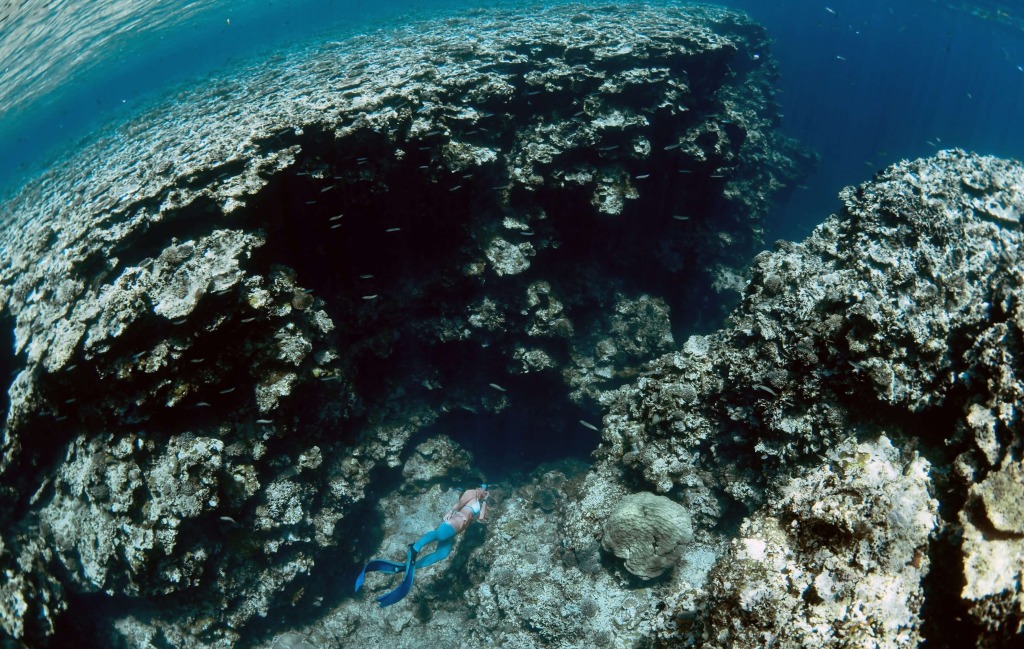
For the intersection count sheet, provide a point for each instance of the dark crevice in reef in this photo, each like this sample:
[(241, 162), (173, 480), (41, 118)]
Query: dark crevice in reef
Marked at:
[(365, 214), (946, 622), (9, 363), (537, 427)]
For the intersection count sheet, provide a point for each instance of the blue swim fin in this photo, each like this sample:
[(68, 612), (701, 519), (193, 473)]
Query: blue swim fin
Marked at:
[(379, 565), (398, 594)]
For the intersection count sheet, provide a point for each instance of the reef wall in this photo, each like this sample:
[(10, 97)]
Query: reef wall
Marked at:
[(235, 317)]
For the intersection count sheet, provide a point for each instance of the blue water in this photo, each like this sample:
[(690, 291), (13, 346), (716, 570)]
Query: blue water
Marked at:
[(863, 82), (876, 82)]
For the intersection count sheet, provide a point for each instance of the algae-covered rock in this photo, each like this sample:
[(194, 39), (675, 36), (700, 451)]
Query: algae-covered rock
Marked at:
[(649, 532)]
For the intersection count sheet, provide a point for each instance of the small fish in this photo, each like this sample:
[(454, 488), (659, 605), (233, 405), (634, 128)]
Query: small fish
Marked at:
[(361, 160), (264, 421), (717, 176), (330, 378), (579, 113), (179, 321), (765, 388), (70, 401), (685, 171), (672, 146), (370, 297), (227, 391), (587, 424), (202, 404), (527, 233), (366, 277), (246, 320), (533, 93), (497, 387), (228, 519), (831, 11), (455, 188), (197, 361), (424, 166), (335, 218), (328, 188), (642, 176), (335, 226), (840, 58), (393, 230), (680, 217), (310, 202)]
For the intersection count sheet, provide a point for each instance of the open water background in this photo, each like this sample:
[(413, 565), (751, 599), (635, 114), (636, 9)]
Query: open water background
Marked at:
[(864, 82)]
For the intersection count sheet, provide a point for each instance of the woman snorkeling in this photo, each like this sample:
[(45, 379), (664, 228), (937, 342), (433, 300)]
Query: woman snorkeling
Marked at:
[(471, 506)]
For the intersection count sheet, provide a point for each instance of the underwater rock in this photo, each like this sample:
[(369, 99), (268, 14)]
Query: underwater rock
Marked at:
[(436, 459), (813, 345), (836, 560), (231, 315), (901, 313), (648, 532), (993, 552)]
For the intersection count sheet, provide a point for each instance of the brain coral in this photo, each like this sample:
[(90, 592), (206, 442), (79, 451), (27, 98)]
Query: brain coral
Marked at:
[(649, 532)]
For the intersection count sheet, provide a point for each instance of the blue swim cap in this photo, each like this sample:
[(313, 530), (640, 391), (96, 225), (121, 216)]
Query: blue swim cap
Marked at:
[(484, 486)]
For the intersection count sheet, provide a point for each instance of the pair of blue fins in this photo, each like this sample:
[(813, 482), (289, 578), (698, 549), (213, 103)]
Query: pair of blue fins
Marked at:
[(392, 567)]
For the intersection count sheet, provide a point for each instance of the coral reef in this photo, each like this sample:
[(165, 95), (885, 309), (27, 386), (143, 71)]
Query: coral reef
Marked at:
[(273, 326), (238, 320)]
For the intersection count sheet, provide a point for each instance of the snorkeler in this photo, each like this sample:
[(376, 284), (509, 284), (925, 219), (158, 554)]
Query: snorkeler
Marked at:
[(472, 505)]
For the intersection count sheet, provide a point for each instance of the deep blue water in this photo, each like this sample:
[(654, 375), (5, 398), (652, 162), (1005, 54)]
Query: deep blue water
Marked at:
[(878, 81), (863, 82)]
